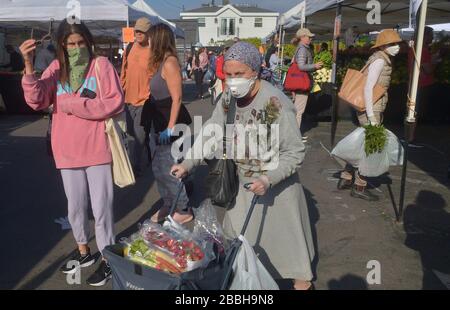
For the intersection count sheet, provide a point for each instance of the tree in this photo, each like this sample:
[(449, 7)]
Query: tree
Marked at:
[(255, 41)]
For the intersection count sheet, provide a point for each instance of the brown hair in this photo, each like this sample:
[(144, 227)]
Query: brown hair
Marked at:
[(64, 31), (162, 45)]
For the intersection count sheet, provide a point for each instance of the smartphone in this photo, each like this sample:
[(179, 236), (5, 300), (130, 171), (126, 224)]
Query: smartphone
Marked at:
[(87, 93)]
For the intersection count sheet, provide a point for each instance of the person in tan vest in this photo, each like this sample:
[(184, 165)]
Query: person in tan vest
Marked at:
[(135, 79), (379, 72)]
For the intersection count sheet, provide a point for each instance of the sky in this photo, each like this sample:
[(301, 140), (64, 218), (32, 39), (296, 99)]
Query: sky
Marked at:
[(172, 8)]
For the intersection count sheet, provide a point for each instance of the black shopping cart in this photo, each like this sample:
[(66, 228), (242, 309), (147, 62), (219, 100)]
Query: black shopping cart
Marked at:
[(128, 275)]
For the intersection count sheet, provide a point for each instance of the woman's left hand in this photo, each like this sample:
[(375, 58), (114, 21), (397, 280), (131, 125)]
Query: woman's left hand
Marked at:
[(164, 136), (259, 186)]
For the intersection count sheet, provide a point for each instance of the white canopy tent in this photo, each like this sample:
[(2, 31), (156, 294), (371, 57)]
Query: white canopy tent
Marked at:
[(394, 14), (143, 6), (103, 17)]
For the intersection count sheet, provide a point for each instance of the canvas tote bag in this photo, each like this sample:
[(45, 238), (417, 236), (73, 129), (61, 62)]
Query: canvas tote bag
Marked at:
[(115, 128)]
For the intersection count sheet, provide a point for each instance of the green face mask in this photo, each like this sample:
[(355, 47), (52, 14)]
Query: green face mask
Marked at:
[(78, 61), (78, 56)]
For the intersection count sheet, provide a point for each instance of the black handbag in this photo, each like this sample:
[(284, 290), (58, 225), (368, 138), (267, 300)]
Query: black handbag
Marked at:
[(222, 181)]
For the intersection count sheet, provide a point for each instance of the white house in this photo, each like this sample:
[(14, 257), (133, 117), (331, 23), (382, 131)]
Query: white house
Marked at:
[(220, 23)]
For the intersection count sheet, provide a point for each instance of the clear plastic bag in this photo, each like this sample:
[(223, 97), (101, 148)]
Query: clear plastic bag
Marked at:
[(351, 149), (178, 244), (143, 252), (207, 227)]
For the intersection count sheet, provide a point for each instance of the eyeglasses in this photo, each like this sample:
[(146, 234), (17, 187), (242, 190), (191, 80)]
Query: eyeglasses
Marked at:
[(47, 37)]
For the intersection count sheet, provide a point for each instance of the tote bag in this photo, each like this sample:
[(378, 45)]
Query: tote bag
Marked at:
[(352, 89), (297, 80), (115, 128)]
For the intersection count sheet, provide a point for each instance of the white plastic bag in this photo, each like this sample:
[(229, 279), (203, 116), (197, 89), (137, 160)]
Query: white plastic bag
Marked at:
[(249, 272), (351, 150)]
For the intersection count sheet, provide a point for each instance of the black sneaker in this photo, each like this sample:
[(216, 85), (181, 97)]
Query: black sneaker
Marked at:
[(84, 261), (364, 194), (344, 184), (101, 275)]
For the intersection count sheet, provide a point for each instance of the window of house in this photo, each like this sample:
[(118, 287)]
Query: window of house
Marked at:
[(227, 26), (258, 22), (223, 27), (201, 22), (232, 27)]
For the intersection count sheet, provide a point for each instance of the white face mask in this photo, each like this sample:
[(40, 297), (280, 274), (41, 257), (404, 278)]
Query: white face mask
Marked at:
[(240, 87), (393, 50)]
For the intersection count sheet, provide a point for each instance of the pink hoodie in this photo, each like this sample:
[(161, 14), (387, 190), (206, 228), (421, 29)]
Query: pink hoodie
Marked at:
[(78, 127)]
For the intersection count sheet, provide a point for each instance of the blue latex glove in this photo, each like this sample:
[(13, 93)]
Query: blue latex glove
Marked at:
[(164, 136)]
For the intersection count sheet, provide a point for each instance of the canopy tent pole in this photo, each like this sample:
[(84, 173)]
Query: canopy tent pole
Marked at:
[(410, 121), (111, 51), (280, 60), (334, 99), (280, 41), (128, 15)]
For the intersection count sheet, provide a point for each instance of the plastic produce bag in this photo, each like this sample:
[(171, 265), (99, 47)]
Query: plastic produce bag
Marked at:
[(207, 227), (171, 249), (351, 149), (249, 272), (143, 252)]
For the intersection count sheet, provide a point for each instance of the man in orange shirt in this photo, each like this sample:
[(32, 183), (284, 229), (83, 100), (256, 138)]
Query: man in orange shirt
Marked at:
[(135, 80)]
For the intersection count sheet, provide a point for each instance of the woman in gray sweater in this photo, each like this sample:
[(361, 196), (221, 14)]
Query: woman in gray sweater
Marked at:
[(280, 228), (305, 61)]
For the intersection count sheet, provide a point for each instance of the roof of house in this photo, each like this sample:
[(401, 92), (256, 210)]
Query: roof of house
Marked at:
[(243, 9)]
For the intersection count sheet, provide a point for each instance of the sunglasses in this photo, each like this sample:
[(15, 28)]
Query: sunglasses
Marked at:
[(46, 38)]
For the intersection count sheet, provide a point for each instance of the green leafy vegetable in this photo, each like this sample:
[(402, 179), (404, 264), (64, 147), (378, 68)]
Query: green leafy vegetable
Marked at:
[(375, 140)]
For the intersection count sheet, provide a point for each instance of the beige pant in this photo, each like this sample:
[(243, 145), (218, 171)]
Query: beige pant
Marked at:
[(378, 110), (300, 105)]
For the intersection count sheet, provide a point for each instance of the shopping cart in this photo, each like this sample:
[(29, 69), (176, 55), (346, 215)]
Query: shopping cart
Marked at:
[(218, 274)]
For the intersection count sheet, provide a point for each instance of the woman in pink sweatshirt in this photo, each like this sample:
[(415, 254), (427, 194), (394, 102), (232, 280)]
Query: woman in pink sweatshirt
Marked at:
[(82, 101)]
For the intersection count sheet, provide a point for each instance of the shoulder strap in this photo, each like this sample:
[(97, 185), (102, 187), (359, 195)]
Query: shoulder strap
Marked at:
[(230, 116), (370, 61), (97, 77), (128, 50), (294, 59), (231, 110)]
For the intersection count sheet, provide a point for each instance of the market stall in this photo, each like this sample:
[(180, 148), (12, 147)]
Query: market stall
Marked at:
[(319, 17), (22, 19)]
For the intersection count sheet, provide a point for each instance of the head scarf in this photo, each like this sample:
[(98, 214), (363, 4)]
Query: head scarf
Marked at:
[(245, 53)]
